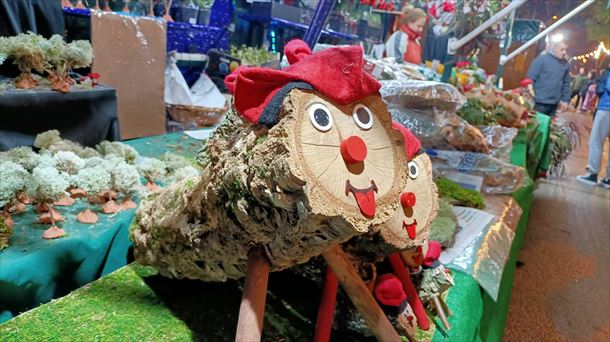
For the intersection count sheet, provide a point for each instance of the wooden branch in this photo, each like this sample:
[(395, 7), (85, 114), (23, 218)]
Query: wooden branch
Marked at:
[(441, 312), (359, 294), (252, 308)]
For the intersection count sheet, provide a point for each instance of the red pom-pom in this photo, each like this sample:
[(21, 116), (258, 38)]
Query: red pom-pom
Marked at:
[(389, 291)]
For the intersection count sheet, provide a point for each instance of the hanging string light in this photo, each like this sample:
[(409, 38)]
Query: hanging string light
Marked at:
[(601, 48)]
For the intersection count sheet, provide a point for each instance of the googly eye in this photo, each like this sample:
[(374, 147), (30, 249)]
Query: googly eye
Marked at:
[(363, 116), (320, 117), (413, 169)]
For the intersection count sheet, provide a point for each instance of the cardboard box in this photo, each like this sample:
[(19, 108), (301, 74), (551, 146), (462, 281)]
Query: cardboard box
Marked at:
[(130, 56)]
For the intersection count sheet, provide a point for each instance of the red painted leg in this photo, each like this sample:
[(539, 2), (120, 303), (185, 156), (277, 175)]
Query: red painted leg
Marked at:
[(326, 310), (412, 297)]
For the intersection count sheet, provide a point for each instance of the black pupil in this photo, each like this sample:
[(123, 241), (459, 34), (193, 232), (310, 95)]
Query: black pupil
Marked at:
[(321, 117), (363, 116), (413, 170)]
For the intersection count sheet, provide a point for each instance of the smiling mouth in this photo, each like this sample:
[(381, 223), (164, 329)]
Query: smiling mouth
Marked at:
[(364, 197), (410, 228)]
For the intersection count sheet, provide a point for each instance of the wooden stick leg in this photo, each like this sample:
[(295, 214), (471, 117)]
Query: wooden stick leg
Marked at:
[(448, 311), (326, 310), (402, 273), (441, 312), (359, 294), (252, 308)]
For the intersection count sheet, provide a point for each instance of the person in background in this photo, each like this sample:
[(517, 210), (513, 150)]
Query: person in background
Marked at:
[(404, 44), (550, 77), (588, 93), (600, 132), (577, 84)]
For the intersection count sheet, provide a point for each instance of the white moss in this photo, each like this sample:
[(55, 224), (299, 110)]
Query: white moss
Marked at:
[(125, 178), (23, 156), (44, 140), (48, 184), (68, 162), (151, 168), (94, 179), (120, 149), (186, 172), (12, 180)]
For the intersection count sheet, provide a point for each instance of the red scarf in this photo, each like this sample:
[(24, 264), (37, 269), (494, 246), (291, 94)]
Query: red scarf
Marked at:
[(413, 53), (410, 33)]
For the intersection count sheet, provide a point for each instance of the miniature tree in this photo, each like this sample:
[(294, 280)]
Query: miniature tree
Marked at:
[(56, 50), (108, 148), (26, 51), (48, 186), (126, 179), (92, 180), (13, 177), (51, 141), (63, 58), (151, 169), (4, 49), (28, 159), (69, 164), (24, 156)]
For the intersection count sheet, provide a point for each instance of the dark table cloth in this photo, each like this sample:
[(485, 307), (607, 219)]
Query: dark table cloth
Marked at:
[(85, 116)]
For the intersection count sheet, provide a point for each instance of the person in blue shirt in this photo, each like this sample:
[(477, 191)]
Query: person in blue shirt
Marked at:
[(550, 76), (600, 132)]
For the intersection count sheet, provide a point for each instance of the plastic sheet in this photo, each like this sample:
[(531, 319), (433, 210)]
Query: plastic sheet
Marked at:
[(412, 94), (428, 110), (499, 140), (485, 257), (389, 69), (496, 176)]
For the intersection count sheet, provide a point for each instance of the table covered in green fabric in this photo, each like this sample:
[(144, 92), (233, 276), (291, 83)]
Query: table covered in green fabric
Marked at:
[(34, 270), (147, 306)]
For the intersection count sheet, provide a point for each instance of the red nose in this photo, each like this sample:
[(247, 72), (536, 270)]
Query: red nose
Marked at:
[(407, 199), (353, 150)]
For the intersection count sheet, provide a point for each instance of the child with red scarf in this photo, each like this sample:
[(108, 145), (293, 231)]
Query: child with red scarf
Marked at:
[(404, 44)]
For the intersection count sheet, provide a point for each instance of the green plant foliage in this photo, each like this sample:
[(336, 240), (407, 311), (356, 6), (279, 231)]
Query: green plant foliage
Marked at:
[(444, 227), (460, 196), (251, 56), (475, 114), (563, 139)]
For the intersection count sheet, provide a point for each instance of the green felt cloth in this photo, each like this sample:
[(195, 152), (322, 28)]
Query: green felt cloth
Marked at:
[(534, 137), (545, 153), (34, 271)]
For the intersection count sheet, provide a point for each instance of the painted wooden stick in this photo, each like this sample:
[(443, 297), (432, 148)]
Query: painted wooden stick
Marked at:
[(441, 312), (359, 294), (402, 273), (326, 310), (252, 308)]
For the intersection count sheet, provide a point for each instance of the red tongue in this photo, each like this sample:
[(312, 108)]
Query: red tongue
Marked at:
[(366, 202), (411, 229)]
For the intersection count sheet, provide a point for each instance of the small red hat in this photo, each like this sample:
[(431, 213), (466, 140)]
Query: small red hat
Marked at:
[(336, 73), (412, 144), (389, 291)]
